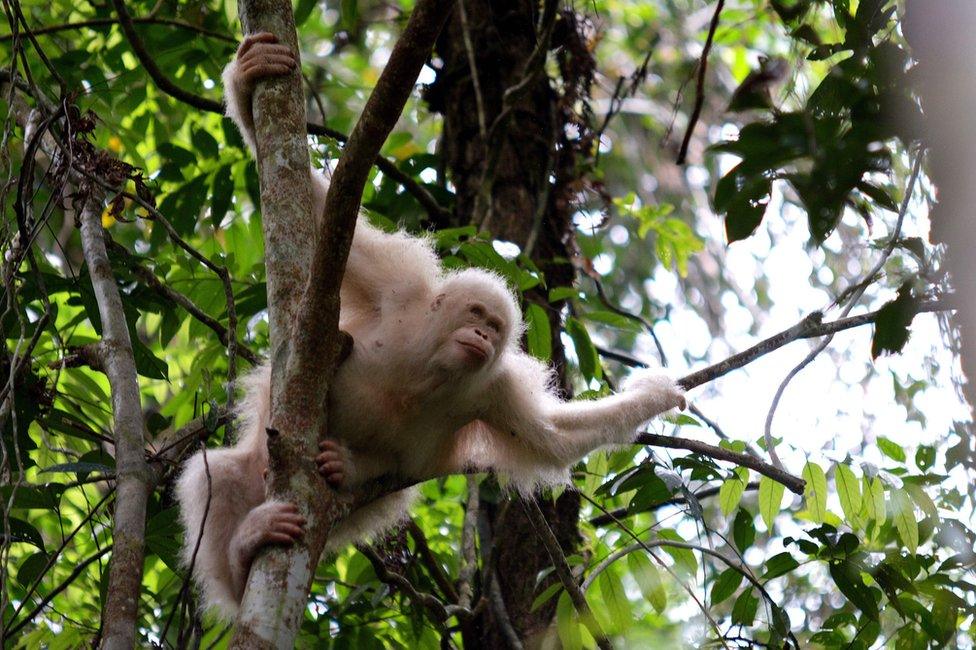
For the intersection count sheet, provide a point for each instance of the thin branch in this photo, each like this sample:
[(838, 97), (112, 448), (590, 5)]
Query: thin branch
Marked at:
[(741, 569), (173, 444), (108, 22), (684, 585), (810, 327), (53, 557), (149, 278), (438, 610), (792, 483), (700, 87), (563, 572), (612, 516), (430, 561), (78, 570), (342, 203)]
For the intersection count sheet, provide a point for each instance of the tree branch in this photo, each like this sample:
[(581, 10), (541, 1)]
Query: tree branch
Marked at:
[(149, 279), (108, 22), (809, 328), (700, 86), (132, 486), (793, 483), (563, 572), (611, 516)]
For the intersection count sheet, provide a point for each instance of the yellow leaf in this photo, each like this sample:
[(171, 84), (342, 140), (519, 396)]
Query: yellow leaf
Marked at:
[(115, 144), (107, 219)]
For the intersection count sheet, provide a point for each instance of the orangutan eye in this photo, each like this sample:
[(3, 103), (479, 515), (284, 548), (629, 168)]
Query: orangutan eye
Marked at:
[(495, 325), (477, 311)]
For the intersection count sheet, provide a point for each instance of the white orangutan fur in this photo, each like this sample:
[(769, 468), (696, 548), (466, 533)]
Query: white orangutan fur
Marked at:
[(435, 384)]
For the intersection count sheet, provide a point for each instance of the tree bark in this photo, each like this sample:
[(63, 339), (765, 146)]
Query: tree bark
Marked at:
[(132, 473), (503, 179)]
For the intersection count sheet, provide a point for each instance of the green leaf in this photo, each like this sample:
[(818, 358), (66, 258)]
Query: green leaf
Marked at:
[(222, 192), (589, 360), (176, 154), (538, 336), (303, 10), (684, 559), (849, 492), (925, 457), (31, 568), (873, 503), (847, 577), (744, 609), (19, 531), (903, 514), (779, 564), (563, 293), (204, 143), (815, 492), (614, 599), (879, 195), (770, 500), (648, 578), (76, 468), (611, 319), (546, 595), (725, 585), (349, 14), (742, 198), (891, 449), (567, 624), (732, 489), (743, 530)]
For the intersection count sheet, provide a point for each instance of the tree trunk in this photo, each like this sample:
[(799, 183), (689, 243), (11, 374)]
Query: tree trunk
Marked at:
[(505, 186)]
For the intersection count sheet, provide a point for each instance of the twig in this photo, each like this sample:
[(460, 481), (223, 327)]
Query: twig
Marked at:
[(78, 570), (792, 483), (704, 550), (439, 611), (563, 572), (108, 22), (687, 588), (149, 278), (700, 87), (612, 516), (430, 560), (810, 327), (52, 557)]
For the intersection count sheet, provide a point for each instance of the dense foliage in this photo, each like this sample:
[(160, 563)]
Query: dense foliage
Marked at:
[(801, 194)]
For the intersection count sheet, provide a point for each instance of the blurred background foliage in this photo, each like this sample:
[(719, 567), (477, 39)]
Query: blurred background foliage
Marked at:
[(795, 174)]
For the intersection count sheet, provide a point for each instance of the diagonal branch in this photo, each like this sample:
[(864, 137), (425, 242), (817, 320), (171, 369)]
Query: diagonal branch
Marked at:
[(812, 326), (563, 572), (794, 484), (700, 87)]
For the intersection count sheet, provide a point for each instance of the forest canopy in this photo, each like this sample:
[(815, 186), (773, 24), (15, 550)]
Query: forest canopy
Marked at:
[(768, 198)]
